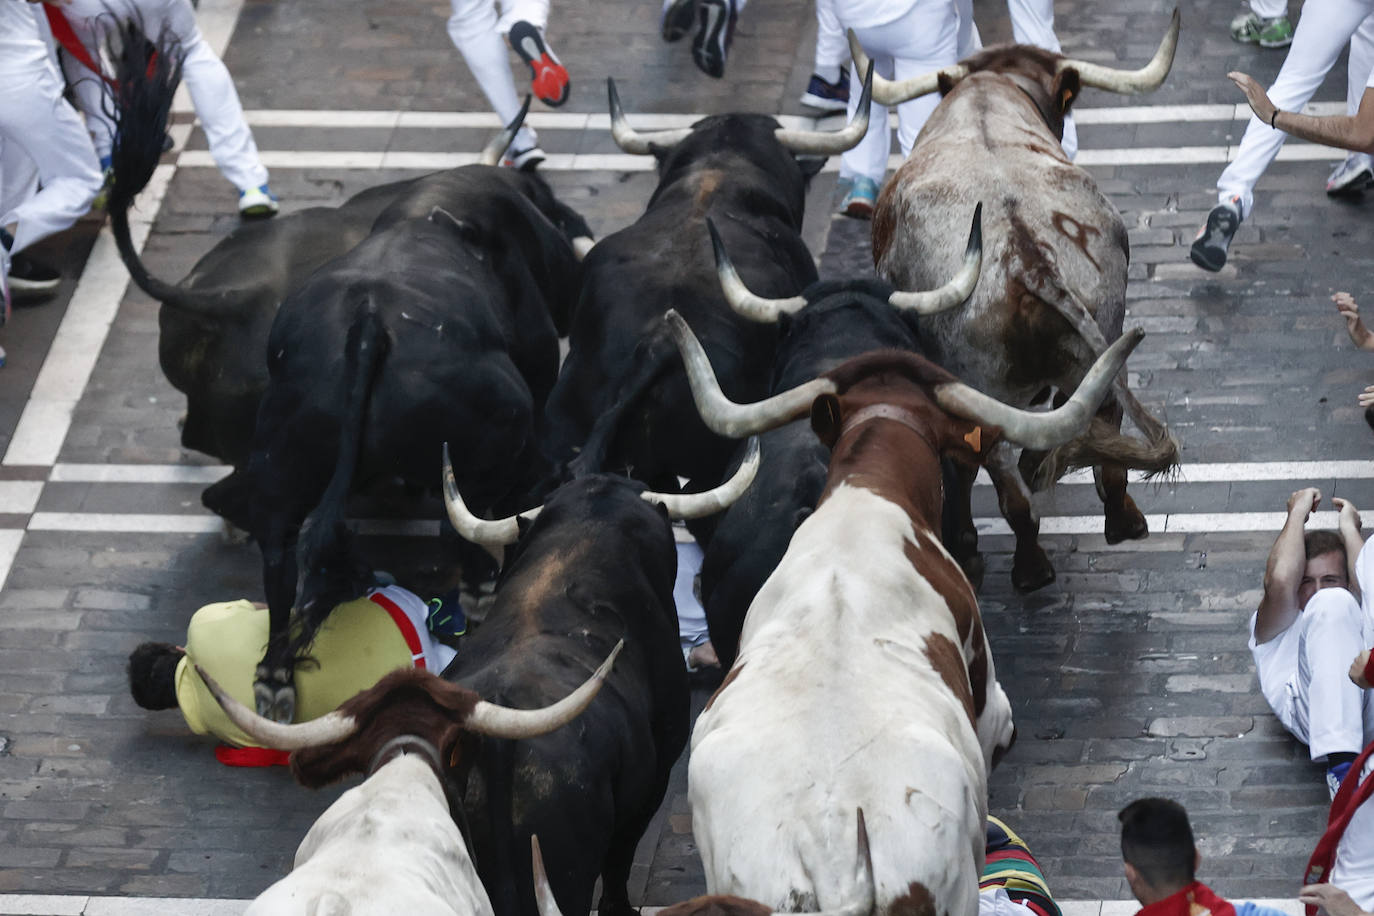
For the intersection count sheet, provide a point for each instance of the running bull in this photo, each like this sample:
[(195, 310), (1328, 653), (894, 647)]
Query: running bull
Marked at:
[(1053, 289), (390, 845), (872, 607), (440, 326), (617, 399), (830, 322), (597, 563)]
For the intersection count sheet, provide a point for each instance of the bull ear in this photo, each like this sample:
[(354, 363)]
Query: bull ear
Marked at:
[(825, 418), (810, 166), (945, 82), (1065, 88)]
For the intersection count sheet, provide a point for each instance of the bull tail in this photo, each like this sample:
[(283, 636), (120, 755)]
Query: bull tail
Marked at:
[(500, 873), (1155, 452), (648, 368), (146, 79), (325, 542)]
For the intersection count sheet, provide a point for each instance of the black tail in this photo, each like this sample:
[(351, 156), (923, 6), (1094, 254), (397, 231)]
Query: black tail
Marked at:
[(147, 74), (501, 881), (330, 574), (648, 368)]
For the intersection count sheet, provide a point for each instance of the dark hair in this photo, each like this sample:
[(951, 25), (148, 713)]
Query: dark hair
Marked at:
[(152, 675), (1157, 840), (1322, 541)]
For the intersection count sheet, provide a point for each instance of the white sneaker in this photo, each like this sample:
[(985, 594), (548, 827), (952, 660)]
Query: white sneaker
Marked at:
[(1353, 176), (257, 202), (525, 160)]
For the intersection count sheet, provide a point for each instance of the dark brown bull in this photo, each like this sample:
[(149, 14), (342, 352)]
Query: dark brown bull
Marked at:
[(1052, 293)]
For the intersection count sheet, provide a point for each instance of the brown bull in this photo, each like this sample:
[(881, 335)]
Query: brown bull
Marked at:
[(1052, 293)]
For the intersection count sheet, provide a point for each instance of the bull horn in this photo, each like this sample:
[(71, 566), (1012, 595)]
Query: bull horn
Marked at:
[(722, 415), (830, 142), (582, 246), (747, 304), (493, 534), (496, 148), (514, 724), (959, 288), (327, 729), (890, 92), (1043, 430), (1129, 82), (709, 502), (543, 894), (631, 140)]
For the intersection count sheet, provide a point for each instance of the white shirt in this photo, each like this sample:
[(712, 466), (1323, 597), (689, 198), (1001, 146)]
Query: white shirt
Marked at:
[(22, 50), (1276, 662), (1354, 868)]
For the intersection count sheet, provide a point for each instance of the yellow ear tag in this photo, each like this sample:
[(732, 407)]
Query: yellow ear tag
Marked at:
[(975, 439)]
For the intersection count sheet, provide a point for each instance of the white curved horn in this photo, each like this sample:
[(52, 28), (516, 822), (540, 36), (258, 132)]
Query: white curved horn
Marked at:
[(492, 534), (631, 140), (722, 415), (1043, 430), (745, 303), (709, 502), (1130, 82), (496, 147), (327, 729), (543, 894), (889, 92), (504, 722), (828, 142), (960, 286)]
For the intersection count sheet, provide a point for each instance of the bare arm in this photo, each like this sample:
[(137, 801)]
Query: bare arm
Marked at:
[(1284, 570), (1343, 131), (1333, 900), (1348, 524), (1360, 335)]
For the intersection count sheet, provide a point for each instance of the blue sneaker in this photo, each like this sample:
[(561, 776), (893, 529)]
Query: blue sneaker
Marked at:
[(827, 96), (861, 199), (1335, 775), (257, 203)]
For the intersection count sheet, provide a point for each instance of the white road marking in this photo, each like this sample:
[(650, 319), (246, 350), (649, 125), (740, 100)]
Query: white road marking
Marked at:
[(9, 547)]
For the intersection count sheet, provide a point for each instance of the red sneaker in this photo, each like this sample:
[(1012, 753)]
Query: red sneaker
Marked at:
[(548, 78)]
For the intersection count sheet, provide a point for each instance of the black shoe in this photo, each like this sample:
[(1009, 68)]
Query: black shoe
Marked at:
[(31, 280), (677, 20), (715, 31), (1214, 239)]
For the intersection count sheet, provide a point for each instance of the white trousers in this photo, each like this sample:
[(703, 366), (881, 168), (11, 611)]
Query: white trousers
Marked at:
[(1269, 9), (42, 139), (477, 33), (207, 79), (1323, 30), (832, 46), (1327, 713), (923, 39), (1032, 23)]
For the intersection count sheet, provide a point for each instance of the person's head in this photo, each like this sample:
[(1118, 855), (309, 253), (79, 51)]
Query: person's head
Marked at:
[(1326, 564), (1157, 847), (152, 675)]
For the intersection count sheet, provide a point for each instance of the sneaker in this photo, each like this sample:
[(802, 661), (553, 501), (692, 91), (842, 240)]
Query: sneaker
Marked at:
[(445, 616), (677, 19), (861, 199), (715, 31), (524, 160), (548, 77), (1353, 176), (257, 202), (1335, 775), (31, 281), (1213, 239), (827, 96), (1267, 33)]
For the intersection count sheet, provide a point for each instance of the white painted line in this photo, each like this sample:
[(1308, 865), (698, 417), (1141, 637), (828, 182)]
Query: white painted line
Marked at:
[(112, 522), (137, 473), (9, 548), (47, 416), (20, 496), (299, 159)]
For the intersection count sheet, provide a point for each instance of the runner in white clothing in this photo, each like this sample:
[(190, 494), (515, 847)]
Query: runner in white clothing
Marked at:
[(212, 88)]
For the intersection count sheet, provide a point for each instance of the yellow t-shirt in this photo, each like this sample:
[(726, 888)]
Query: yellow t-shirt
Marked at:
[(356, 647)]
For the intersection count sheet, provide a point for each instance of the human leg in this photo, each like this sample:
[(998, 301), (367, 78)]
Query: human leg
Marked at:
[(927, 39), (473, 29), (1327, 705), (866, 163), (1032, 23), (1356, 173), (970, 42), (828, 89), (1266, 24)]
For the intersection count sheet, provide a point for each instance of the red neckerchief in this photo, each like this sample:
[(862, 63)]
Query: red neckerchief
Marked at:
[(1369, 668), (1349, 797), (251, 756), (1197, 899), (62, 31)]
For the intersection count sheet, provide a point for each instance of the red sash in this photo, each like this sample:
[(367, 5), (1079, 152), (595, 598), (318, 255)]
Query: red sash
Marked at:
[(1369, 668), (417, 650), (62, 31), (1197, 899), (1349, 797)]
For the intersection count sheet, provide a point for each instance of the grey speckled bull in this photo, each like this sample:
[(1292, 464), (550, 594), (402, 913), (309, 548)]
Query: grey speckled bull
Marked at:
[(1052, 292)]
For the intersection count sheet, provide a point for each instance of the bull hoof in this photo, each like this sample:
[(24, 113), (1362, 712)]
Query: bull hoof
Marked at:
[(1127, 525), (275, 695), (973, 567), (1031, 570)]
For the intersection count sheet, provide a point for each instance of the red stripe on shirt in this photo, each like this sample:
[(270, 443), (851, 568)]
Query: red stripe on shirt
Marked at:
[(417, 651)]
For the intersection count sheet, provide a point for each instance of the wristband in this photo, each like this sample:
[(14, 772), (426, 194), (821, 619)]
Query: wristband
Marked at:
[(1369, 669), (1272, 118)]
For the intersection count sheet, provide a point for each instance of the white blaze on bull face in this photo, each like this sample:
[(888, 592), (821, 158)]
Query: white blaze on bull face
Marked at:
[(834, 703), (386, 846)]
